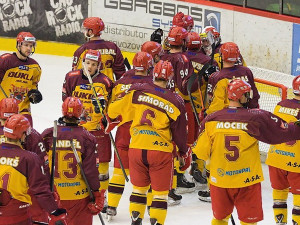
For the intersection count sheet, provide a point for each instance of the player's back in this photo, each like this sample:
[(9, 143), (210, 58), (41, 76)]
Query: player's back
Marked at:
[(68, 179), (15, 166), (234, 152), (154, 112), (285, 156), (112, 61), (217, 87), (183, 69), (128, 79)]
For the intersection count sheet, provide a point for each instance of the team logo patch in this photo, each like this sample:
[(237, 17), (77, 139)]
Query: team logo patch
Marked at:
[(85, 87), (220, 172), (23, 68)]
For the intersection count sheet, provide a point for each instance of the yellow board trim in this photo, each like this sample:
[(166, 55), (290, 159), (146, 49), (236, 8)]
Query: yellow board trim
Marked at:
[(51, 48)]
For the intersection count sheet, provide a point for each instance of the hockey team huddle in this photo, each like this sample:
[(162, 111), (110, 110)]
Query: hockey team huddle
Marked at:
[(188, 103)]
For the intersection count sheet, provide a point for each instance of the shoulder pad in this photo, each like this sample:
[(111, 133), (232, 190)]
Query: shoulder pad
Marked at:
[(74, 73), (185, 58), (107, 80), (5, 55)]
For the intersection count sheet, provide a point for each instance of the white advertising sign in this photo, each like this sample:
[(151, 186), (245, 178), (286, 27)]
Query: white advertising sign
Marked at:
[(129, 23)]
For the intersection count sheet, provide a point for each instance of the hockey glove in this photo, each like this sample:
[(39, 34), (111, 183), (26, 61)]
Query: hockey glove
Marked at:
[(97, 206), (58, 217), (185, 160), (157, 35), (210, 70), (34, 96), (202, 114), (107, 124)]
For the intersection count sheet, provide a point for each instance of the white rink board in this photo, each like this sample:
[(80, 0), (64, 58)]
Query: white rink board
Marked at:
[(264, 42)]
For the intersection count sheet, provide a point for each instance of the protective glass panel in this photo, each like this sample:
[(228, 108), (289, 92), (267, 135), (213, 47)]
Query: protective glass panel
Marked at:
[(269, 5), (235, 2), (291, 7)]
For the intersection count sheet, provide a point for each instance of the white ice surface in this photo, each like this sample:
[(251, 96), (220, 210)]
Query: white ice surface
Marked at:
[(191, 211)]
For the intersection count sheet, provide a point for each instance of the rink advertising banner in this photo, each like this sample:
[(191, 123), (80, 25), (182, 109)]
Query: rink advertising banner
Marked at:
[(53, 20), (296, 50), (129, 23)]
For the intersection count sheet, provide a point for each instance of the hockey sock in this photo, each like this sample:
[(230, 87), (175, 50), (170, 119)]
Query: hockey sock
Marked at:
[(138, 200), (149, 197), (296, 209), (159, 206), (279, 205), (243, 223), (103, 175), (116, 187), (220, 222)]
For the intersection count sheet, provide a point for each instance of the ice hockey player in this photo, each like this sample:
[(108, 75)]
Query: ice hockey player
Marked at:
[(198, 59), (22, 171), (69, 182), (185, 21), (34, 143), (229, 139), (217, 83), (217, 88), (210, 31), (112, 59), (154, 49), (183, 69), (142, 62), (20, 75), (179, 20), (77, 85), (158, 117), (283, 162)]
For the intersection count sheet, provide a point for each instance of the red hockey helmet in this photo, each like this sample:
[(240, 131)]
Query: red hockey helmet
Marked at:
[(15, 126), (142, 61), (26, 36), (153, 48), (177, 35), (296, 85), (93, 55), (237, 88), (95, 24), (188, 22), (229, 52), (8, 107), (163, 70), (193, 41), (72, 107), (178, 20)]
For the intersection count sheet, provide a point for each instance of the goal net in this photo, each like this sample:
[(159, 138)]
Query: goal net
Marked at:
[(273, 87)]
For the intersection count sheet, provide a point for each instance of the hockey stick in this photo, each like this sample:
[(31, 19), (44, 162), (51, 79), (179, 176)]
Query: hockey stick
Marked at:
[(40, 223), (127, 64), (189, 87), (84, 177), (232, 220), (104, 117), (3, 91), (53, 156)]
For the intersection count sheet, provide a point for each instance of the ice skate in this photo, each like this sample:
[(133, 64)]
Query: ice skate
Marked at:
[(183, 185), (173, 198)]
